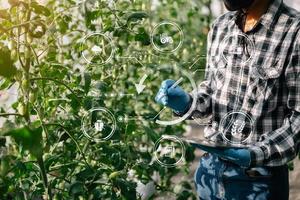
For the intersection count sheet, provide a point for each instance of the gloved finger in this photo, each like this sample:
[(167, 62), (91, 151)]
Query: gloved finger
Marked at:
[(235, 155), (229, 151), (177, 91), (226, 154), (237, 152), (160, 94), (164, 100), (167, 83)]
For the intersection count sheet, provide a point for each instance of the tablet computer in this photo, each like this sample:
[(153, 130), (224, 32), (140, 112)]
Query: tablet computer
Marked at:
[(209, 143)]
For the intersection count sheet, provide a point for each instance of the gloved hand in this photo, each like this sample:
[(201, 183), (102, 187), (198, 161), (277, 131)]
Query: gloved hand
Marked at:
[(240, 157), (175, 98)]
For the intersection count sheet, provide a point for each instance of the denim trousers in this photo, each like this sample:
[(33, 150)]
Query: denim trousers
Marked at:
[(218, 179)]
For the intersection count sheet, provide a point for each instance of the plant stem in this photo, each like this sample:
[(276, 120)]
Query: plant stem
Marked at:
[(44, 177), (22, 24), (27, 68), (26, 93), (40, 117), (10, 114)]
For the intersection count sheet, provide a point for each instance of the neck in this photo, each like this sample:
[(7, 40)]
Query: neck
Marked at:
[(255, 12), (257, 9)]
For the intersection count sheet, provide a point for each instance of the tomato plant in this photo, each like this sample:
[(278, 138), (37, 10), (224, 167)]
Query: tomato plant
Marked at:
[(44, 153)]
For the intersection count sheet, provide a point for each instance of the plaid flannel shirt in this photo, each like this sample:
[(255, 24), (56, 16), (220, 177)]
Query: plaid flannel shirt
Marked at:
[(264, 82)]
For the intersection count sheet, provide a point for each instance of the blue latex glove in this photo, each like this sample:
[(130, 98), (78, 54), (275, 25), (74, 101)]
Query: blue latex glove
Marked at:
[(175, 98), (240, 157)]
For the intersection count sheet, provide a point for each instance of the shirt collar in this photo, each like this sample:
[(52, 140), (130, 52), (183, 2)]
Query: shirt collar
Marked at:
[(269, 18), (272, 14)]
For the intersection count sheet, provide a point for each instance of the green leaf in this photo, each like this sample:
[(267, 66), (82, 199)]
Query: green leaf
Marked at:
[(29, 139), (87, 82), (63, 24), (87, 173), (75, 104), (189, 155), (4, 165), (97, 193), (151, 133), (134, 17), (291, 166), (4, 14), (2, 141), (143, 37), (21, 167), (50, 161), (128, 189), (5, 84), (76, 188), (88, 103), (7, 69), (184, 195), (39, 9)]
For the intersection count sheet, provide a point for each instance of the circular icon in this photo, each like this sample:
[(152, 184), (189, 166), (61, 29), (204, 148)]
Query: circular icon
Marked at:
[(98, 124), (236, 127), (169, 151), (193, 105), (167, 37), (237, 48), (97, 49)]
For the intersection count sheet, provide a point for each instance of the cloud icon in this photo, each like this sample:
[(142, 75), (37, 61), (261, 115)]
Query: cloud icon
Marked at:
[(96, 49)]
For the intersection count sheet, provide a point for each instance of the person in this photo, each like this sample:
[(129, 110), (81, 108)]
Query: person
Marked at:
[(253, 67)]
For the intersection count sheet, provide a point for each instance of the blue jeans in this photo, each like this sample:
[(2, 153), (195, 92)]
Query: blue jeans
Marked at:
[(218, 179)]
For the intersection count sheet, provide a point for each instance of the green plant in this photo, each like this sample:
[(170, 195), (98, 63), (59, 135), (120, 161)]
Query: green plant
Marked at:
[(49, 157)]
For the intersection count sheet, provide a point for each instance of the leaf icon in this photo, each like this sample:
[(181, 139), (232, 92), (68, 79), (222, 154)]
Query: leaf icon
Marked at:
[(237, 128)]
